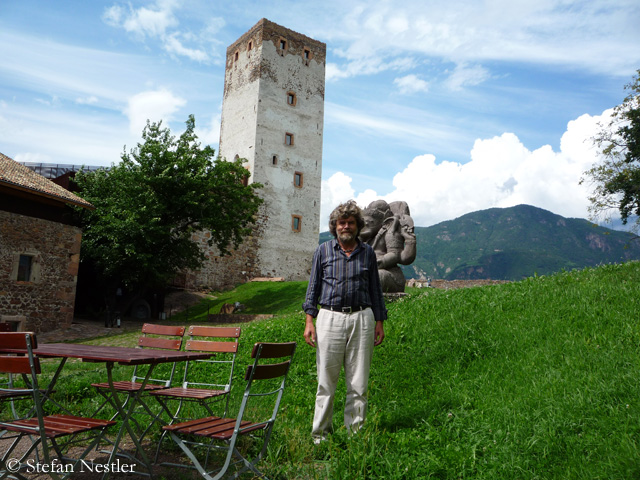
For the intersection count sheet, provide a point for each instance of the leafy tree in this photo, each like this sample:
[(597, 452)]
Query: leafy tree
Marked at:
[(149, 205), (616, 178)]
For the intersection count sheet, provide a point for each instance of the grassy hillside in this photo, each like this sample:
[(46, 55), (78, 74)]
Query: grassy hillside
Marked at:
[(534, 379)]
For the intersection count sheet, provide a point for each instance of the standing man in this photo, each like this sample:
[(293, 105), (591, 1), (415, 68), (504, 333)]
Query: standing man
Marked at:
[(345, 284)]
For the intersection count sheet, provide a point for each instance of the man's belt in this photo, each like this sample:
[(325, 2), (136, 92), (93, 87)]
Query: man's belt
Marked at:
[(335, 308)]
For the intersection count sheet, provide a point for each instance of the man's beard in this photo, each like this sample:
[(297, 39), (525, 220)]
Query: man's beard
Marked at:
[(347, 237)]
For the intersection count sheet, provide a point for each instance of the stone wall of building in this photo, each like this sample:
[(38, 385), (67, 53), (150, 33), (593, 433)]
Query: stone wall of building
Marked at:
[(46, 301), (225, 272)]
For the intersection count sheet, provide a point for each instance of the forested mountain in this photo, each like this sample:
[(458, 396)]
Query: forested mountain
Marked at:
[(514, 243)]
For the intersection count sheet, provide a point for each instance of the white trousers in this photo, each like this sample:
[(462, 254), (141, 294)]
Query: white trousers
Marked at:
[(342, 339)]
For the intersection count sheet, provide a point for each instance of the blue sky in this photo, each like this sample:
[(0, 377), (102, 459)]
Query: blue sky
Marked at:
[(450, 106)]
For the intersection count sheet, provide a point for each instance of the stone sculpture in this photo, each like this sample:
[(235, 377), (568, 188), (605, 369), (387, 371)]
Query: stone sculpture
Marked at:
[(389, 230)]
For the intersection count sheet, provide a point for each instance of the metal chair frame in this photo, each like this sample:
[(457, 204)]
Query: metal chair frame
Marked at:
[(43, 431), (221, 341), (165, 337), (223, 433)]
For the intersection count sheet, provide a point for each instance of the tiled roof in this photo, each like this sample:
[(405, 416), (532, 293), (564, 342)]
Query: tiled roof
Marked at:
[(19, 177)]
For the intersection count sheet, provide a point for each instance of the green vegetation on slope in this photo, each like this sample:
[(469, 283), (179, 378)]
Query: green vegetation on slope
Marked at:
[(529, 380)]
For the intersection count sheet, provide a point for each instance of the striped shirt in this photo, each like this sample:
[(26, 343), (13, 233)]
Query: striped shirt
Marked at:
[(341, 281)]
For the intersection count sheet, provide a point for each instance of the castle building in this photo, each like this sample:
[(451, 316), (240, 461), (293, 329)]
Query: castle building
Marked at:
[(272, 116)]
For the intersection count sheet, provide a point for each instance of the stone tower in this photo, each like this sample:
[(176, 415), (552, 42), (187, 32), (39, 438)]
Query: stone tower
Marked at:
[(272, 115)]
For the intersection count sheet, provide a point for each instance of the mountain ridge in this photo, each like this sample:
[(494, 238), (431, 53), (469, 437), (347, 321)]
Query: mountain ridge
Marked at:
[(514, 243)]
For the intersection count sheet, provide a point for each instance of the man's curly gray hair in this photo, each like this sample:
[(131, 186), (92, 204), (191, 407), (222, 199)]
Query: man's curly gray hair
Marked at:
[(346, 210)]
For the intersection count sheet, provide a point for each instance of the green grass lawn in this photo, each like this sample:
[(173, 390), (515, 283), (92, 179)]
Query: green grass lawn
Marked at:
[(536, 379)]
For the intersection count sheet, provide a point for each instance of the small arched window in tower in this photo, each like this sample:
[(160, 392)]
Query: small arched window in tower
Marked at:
[(298, 179), (288, 139), (292, 98), (236, 56), (283, 45), (296, 223), (274, 160), (306, 55), (250, 45)]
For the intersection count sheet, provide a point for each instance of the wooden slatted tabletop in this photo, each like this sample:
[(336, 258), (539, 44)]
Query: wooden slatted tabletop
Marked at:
[(106, 353)]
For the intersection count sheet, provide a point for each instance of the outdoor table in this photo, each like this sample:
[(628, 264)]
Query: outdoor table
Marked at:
[(111, 355)]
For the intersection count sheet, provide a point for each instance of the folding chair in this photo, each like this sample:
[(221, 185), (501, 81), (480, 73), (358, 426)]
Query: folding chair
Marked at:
[(51, 431), (165, 337), (223, 342), (265, 383)]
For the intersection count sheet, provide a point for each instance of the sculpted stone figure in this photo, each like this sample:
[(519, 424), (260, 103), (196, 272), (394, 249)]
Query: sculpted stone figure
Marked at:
[(389, 230)]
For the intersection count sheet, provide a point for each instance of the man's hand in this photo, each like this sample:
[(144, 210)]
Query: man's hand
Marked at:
[(379, 334), (310, 331)]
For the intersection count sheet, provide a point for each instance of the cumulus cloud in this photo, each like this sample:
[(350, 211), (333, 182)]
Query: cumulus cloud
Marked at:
[(410, 84), (501, 172), (154, 106)]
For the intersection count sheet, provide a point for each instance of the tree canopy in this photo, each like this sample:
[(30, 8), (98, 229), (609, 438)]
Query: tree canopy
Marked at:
[(616, 178), (150, 204)]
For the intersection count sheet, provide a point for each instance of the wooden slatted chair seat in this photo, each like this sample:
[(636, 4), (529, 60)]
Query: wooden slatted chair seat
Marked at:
[(192, 393), (16, 393), (128, 386), (214, 427), (58, 425)]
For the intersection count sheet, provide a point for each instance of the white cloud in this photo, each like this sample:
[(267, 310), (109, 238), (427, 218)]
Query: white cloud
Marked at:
[(210, 135), (160, 22), (596, 36), (91, 100), (501, 172), (153, 106), (150, 22), (410, 84), (173, 45), (467, 76)]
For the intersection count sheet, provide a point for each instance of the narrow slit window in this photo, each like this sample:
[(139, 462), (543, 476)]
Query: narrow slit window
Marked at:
[(298, 179), (288, 139), (283, 44), (296, 223), (274, 160), (292, 99), (236, 56), (25, 267)]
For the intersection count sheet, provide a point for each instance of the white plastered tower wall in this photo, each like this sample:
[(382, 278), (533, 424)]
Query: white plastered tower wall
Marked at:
[(272, 115)]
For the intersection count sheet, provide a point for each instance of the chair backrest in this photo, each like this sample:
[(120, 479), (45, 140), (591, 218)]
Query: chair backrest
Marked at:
[(25, 364), (261, 371), (159, 331), (164, 337), (223, 341), (9, 363)]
